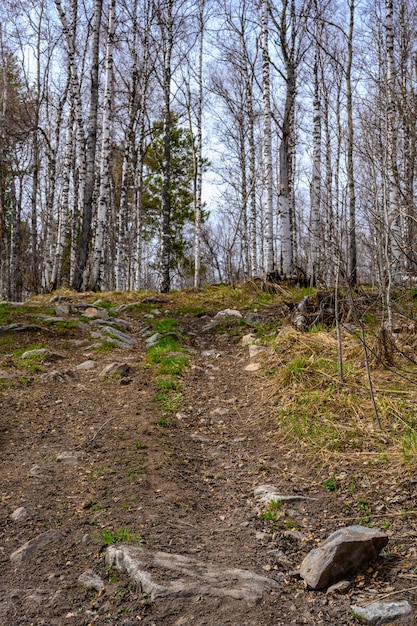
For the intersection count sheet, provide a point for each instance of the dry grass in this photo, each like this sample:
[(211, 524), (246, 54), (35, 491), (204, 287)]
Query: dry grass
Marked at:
[(329, 419)]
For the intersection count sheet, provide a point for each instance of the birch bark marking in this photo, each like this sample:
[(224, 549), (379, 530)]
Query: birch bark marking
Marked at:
[(105, 170), (267, 139), (167, 37)]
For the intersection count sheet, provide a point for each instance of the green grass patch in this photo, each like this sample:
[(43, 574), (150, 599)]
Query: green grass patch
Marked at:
[(165, 325), (110, 537), (169, 384), (159, 351), (172, 365), (104, 347)]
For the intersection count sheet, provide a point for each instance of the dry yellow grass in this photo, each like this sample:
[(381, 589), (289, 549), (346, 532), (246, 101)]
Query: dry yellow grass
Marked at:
[(331, 419)]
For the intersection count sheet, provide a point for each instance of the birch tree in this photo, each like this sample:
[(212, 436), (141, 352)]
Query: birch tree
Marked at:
[(90, 174), (267, 140), (104, 197)]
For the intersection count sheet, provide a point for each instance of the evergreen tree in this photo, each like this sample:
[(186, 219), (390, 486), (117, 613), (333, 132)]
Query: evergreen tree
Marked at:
[(180, 189)]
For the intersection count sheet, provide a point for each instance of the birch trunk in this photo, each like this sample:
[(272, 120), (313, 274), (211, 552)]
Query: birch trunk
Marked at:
[(105, 169), (79, 166), (198, 174), (15, 277), (87, 207), (167, 37), (352, 262), (64, 205), (267, 141), (287, 144), (392, 211), (316, 235)]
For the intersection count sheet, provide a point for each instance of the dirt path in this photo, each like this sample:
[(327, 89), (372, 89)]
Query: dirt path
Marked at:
[(187, 487)]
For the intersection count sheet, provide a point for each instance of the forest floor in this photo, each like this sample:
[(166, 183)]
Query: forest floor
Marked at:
[(169, 459)]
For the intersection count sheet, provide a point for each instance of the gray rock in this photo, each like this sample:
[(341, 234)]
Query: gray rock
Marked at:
[(68, 458), (19, 514), (210, 353), (91, 580), (384, 612), (61, 299), (34, 545), (93, 313), (42, 352), (211, 326), (255, 318), (63, 309), (268, 493), (172, 575), (36, 596), (87, 365), (228, 313), (153, 339), (116, 369), (341, 587), (62, 376), (343, 553), (50, 319), (118, 334), (36, 470)]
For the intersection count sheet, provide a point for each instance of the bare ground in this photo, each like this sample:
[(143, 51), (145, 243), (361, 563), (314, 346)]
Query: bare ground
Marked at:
[(185, 486)]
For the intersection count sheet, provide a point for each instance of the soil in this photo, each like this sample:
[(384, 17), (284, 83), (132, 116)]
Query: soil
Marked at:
[(184, 483)]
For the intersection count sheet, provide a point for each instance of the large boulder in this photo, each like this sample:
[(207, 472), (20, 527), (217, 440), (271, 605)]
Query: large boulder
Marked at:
[(343, 553)]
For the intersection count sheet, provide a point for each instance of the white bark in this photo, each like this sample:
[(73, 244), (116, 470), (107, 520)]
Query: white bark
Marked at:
[(198, 175), (392, 201), (267, 141), (316, 235), (105, 169)]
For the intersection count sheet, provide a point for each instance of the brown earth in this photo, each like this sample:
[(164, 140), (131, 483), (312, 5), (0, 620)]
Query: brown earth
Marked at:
[(184, 483)]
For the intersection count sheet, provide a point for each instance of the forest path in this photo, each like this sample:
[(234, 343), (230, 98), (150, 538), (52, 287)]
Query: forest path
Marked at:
[(185, 483)]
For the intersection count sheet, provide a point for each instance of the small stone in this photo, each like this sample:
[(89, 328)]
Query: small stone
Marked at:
[(87, 365), (68, 458), (41, 352), (19, 514), (379, 613), (63, 309), (255, 318), (295, 535), (253, 367), (29, 548), (228, 313), (247, 340), (118, 335), (61, 376), (36, 470), (91, 580), (210, 353), (211, 326), (153, 339), (255, 350), (116, 369), (93, 313), (341, 587)]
